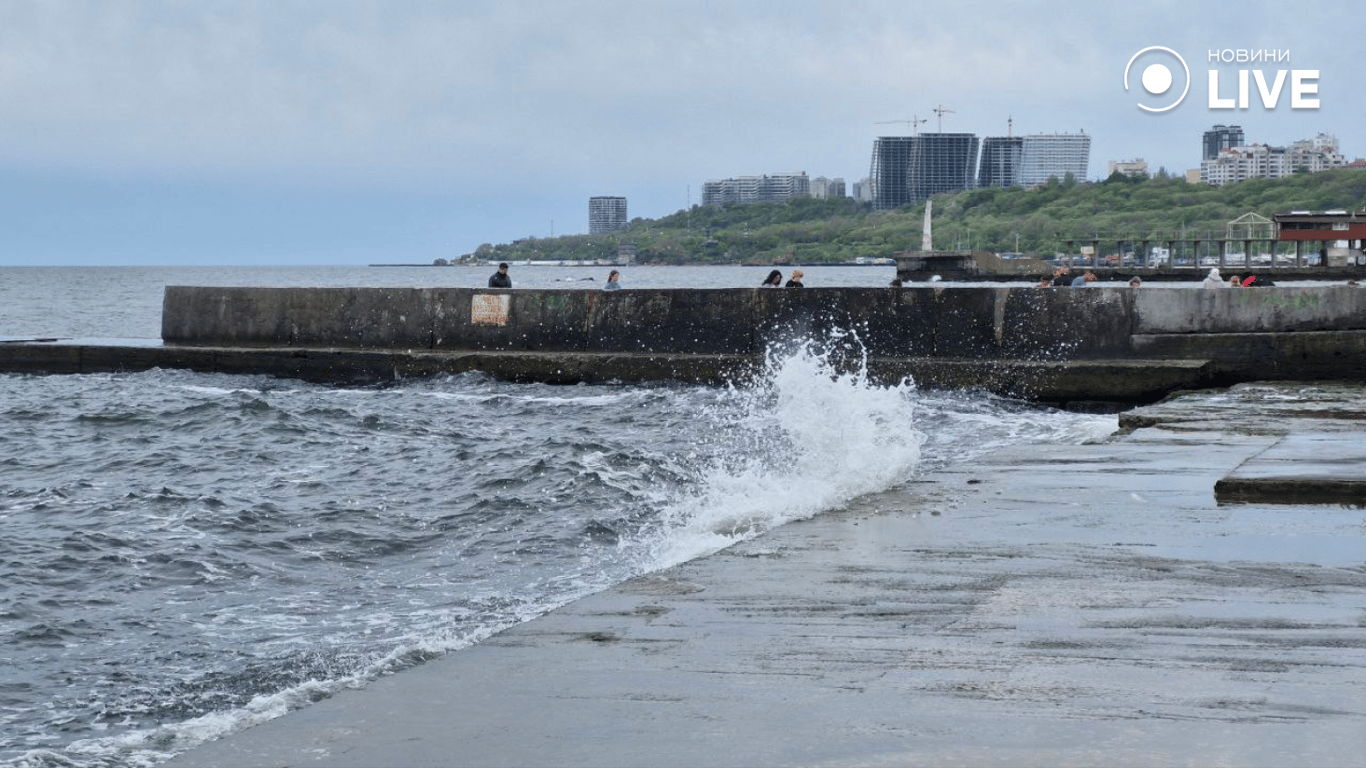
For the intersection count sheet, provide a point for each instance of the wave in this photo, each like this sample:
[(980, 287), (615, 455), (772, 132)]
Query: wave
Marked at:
[(389, 526)]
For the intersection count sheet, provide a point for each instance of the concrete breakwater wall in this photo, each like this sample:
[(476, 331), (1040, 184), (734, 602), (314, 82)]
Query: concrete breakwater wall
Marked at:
[(1052, 343)]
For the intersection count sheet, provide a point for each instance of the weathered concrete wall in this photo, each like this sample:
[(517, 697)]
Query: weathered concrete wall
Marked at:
[(1051, 343), (972, 323), (1255, 310), (948, 322)]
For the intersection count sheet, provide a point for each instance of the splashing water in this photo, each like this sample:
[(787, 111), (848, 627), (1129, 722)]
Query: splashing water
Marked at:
[(806, 438), (344, 534)]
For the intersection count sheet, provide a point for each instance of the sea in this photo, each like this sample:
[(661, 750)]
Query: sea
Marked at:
[(184, 555)]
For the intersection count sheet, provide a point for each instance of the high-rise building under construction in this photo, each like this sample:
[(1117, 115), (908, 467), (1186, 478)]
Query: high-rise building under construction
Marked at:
[(906, 169), (1001, 160)]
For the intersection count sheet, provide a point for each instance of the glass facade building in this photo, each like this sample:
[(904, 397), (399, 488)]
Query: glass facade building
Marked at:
[(606, 214), (906, 169), (1048, 155), (1001, 158), (1219, 138)]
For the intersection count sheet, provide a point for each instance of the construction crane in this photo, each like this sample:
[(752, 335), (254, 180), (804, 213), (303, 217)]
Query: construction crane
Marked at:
[(914, 122), (941, 111)]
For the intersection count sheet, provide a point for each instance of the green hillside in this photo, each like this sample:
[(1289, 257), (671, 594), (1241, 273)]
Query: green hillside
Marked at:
[(1040, 220)]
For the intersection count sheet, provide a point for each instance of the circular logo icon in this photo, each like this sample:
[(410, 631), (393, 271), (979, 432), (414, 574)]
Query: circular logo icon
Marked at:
[(1157, 75)]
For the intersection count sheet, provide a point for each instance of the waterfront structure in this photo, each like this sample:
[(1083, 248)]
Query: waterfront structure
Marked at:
[(1054, 155), (606, 214), (1341, 235), (1219, 138), (1001, 160), (1261, 161), (756, 189), (906, 169)]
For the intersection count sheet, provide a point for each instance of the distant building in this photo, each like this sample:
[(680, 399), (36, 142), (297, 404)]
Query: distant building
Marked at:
[(1001, 160), (756, 189), (943, 162), (906, 169), (1137, 167), (1219, 138), (606, 214), (1260, 161), (1236, 164), (823, 187), (862, 190), (889, 172), (1054, 155)]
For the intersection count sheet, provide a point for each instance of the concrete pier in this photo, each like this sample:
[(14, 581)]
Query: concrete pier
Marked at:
[(1048, 344), (1047, 605)]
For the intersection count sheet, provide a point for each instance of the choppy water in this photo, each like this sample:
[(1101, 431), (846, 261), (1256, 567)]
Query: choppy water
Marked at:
[(182, 554)]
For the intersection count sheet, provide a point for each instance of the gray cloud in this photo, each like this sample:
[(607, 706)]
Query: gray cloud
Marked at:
[(568, 98)]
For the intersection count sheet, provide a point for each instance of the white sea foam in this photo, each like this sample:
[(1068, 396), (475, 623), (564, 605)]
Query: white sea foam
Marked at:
[(807, 438)]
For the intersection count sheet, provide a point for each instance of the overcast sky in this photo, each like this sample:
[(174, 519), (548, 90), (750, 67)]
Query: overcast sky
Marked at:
[(348, 132)]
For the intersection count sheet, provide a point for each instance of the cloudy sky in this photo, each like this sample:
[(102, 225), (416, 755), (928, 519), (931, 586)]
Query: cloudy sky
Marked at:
[(400, 131)]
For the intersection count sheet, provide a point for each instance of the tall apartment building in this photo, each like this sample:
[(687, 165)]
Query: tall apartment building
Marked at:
[(606, 214), (756, 189), (1048, 155), (906, 169), (1001, 159), (1219, 138), (890, 172), (943, 162)]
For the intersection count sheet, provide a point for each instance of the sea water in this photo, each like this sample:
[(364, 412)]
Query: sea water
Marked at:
[(183, 555)]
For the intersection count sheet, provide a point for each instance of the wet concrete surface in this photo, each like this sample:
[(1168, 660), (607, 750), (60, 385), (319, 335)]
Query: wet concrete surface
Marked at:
[(1048, 605)]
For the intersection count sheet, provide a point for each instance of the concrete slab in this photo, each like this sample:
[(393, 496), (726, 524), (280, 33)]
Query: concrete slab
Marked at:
[(1053, 605), (1302, 468)]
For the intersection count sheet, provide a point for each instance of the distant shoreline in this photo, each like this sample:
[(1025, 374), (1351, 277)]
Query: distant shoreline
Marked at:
[(519, 263)]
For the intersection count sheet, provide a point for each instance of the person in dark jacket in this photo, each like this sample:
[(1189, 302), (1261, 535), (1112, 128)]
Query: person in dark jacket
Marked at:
[(796, 281), (500, 278)]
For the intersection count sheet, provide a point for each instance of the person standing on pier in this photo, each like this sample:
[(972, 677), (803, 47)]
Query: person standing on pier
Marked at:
[(796, 281), (500, 278), (774, 280), (613, 281)]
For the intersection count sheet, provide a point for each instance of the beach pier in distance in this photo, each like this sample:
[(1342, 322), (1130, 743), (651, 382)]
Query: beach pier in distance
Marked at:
[(1328, 246)]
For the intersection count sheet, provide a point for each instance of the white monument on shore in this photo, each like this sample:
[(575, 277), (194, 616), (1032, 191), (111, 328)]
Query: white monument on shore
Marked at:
[(926, 238)]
